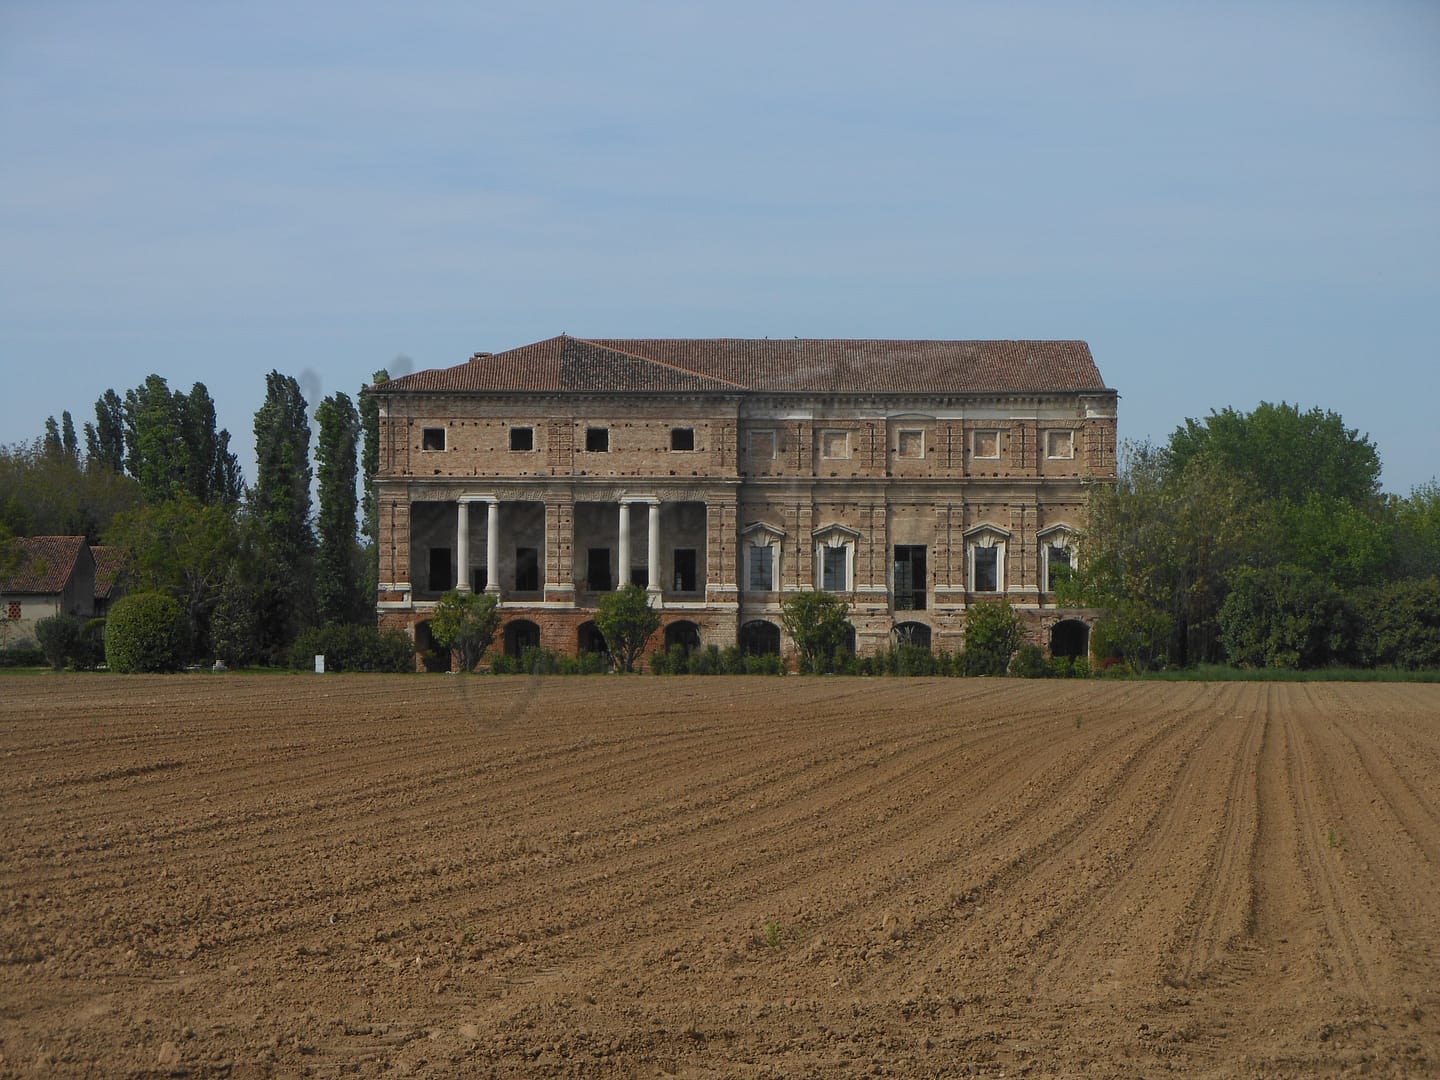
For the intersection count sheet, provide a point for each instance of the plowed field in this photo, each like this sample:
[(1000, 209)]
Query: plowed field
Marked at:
[(253, 876)]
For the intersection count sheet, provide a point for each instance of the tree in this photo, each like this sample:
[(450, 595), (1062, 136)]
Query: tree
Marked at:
[(68, 443), (818, 623), (338, 594), (1337, 540), (1284, 617), (1415, 524), (992, 634), (369, 410), (185, 549), (145, 632), (1287, 454), (626, 620), (279, 509), (1401, 624), (157, 452), (43, 494), (466, 623), (105, 439)]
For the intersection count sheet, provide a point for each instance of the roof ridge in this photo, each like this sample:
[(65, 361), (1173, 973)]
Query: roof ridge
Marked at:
[(599, 344)]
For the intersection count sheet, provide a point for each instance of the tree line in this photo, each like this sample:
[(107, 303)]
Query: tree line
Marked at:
[(250, 568)]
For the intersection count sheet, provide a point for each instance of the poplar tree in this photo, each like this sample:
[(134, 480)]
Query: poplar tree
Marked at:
[(338, 596), (279, 508)]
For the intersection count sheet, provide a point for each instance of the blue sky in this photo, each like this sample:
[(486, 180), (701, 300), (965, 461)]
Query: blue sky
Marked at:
[(1232, 202)]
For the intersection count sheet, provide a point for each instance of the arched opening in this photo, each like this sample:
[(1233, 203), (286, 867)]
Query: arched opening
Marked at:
[(588, 639), (520, 635), (433, 656), (1070, 637), (760, 638), (683, 633), (912, 633)]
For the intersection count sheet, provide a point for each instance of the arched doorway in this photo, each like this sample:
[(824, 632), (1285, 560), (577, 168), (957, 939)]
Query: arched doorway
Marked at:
[(434, 657), (520, 635), (588, 639), (1069, 637), (912, 633), (683, 633), (760, 638)]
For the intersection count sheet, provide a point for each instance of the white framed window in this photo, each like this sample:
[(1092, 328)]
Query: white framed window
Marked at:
[(1060, 445), (834, 444), (762, 544), (985, 444), (1057, 555), (762, 444), (835, 558), (985, 558), (910, 443)]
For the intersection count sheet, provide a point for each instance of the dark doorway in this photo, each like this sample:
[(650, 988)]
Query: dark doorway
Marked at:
[(520, 635), (588, 639), (440, 578), (760, 638), (1070, 638), (912, 633), (527, 569), (431, 655), (685, 570), (909, 577), (683, 633), (597, 569)]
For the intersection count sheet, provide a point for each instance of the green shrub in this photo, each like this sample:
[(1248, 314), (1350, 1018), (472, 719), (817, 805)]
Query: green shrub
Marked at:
[(22, 656), (992, 634), (347, 647), (145, 632), (1029, 663), (57, 635), (1401, 625)]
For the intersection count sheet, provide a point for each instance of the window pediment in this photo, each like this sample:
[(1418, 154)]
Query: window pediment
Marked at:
[(987, 535), (762, 532), (835, 535)]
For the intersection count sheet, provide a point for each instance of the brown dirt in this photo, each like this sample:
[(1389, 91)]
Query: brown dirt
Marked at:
[(252, 876)]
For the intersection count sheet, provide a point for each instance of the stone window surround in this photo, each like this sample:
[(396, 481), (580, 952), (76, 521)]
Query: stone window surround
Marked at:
[(900, 434), (975, 436), (828, 438), (763, 534), (986, 535), (835, 535), (1065, 446), (1059, 535)]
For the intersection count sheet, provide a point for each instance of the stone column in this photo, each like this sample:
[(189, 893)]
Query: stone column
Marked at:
[(623, 577), (654, 551), (462, 546), (492, 546)]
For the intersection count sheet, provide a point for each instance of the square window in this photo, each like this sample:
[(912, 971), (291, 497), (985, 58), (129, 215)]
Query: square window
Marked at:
[(834, 574), (597, 439), (14, 612), (433, 439), (682, 438), (762, 445), (1060, 444), (762, 568), (987, 444), (834, 444), (910, 444), (522, 438)]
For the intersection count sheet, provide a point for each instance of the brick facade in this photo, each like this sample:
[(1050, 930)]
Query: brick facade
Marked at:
[(915, 478)]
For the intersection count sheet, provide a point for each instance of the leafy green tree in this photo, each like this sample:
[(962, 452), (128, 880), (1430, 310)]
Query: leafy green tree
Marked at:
[(145, 632), (185, 549), (1415, 524), (105, 439), (279, 509), (1401, 624), (45, 494), (818, 622), (1159, 549), (1285, 617), (235, 622), (339, 596), (52, 446), (1337, 540), (993, 633), (1285, 453), (627, 621), (157, 452), (68, 443), (466, 622)]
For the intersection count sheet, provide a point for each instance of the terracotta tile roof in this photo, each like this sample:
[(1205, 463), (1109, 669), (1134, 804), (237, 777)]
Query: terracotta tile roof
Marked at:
[(109, 564), (46, 563), (738, 365)]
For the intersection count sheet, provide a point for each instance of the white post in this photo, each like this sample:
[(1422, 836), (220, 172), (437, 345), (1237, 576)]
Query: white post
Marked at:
[(492, 546), (462, 547), (624, 567), (654, 551)]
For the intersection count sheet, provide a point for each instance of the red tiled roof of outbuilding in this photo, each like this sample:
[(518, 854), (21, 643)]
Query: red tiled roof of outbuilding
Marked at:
[(109, 564), (46, 563), (779, 365)]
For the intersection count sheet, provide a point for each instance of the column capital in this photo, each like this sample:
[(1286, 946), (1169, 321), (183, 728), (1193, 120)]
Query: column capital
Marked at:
[(489, 499)]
